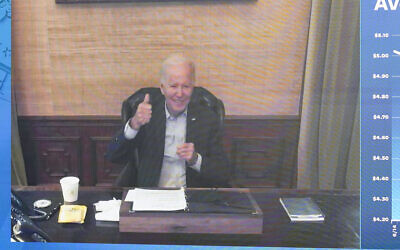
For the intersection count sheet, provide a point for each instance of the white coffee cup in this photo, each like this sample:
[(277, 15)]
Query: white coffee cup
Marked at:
[(70, 186)]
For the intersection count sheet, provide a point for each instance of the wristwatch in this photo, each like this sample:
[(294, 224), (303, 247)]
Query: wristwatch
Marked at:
[(194, 159)]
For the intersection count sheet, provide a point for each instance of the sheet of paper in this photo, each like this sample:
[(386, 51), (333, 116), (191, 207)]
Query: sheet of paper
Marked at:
[(107, 205), (130, 196), (107, 210), (157, 200), (108, 215)]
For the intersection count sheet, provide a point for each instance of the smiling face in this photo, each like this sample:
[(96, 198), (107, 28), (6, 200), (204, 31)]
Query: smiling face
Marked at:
[(177, 87)]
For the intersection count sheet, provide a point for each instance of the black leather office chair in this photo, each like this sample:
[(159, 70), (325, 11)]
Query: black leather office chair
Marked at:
[(127, 177)]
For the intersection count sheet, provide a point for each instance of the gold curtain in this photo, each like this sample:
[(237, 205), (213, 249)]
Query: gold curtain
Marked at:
[(18, 174), (328, 156)]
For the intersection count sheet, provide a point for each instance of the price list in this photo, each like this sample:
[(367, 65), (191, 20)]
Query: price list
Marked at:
[(380, 125)]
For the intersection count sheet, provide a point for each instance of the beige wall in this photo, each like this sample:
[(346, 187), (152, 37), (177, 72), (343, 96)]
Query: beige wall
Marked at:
[(84, 59)]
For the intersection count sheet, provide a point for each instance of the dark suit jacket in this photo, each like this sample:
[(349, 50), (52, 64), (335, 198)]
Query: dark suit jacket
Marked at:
[(201, 129)]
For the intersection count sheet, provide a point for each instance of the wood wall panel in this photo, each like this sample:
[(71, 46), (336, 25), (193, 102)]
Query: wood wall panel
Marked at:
[(104, 171), (258, 159), (84, 59), (262, 152), (56, 157)]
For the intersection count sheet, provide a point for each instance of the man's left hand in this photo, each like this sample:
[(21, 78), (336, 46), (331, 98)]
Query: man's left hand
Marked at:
[(187, 152)]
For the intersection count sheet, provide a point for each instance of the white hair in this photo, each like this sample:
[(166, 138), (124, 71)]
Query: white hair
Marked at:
[(176, 59)]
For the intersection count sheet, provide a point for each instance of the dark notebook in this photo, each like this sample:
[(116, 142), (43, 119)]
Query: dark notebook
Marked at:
[(216, 201)]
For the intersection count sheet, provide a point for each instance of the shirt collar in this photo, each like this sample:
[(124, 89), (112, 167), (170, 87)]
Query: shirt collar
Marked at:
[(168, 115)]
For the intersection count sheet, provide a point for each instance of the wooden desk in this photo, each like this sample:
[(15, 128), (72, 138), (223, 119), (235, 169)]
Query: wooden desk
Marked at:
[(340, 229), (206, 214)]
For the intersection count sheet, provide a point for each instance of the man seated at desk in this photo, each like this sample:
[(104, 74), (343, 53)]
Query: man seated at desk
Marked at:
[(178, 141)]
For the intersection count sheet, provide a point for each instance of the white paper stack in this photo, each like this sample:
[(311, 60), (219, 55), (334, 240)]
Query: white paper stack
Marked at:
[(157, 200), (108, 210)]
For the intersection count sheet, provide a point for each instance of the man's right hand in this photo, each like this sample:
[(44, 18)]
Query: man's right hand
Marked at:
[(142, 115)]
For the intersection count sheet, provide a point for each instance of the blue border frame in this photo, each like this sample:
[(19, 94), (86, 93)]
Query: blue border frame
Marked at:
[(5, 158), (5, 138), (380, 35), (5, 117)]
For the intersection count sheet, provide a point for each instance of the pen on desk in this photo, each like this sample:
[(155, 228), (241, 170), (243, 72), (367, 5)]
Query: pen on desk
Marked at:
[(53, 211)]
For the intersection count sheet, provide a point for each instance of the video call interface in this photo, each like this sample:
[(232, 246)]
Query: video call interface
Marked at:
[(311, 97)]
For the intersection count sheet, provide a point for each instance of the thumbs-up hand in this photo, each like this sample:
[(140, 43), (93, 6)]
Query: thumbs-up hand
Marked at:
[(142, 115)]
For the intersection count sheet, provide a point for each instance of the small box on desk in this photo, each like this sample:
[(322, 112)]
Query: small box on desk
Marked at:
[(210, 211)]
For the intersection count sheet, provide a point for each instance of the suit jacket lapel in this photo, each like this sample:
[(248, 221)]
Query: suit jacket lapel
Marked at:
[(156, 135), (159, 124), (191, 123)]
